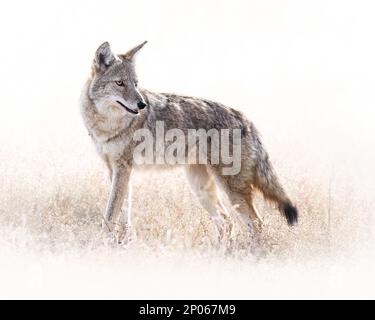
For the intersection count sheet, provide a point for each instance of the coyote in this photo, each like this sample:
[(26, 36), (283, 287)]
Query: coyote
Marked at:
[(114, 107)]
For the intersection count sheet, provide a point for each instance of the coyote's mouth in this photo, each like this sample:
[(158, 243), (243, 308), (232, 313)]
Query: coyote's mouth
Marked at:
[(126, 108)]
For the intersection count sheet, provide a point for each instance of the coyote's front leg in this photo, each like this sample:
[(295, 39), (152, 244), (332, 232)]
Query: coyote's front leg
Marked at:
[(123, 227), (119, 190)]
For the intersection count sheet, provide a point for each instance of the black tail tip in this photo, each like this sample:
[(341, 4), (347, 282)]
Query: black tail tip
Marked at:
[(291, 214)]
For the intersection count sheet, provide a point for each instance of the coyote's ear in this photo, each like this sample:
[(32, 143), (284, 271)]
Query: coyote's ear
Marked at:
[(104, 57), (131, 53)]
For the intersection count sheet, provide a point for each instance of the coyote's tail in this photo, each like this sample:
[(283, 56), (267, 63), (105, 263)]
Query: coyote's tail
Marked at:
[(267, 182)]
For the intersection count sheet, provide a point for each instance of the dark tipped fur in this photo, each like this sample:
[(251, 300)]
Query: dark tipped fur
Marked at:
[(291, 214)]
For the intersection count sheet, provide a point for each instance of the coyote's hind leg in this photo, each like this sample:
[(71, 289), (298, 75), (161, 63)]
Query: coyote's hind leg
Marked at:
[(242, 202), (204, 187)]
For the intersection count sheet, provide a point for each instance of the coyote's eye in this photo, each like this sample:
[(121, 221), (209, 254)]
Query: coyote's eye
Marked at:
[(120, 83)]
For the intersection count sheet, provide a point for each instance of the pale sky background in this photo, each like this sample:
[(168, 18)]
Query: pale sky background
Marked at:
[(301, 57), (303, 71)]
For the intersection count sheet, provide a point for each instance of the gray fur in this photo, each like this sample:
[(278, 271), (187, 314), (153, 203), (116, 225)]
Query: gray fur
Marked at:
[(111, 128)]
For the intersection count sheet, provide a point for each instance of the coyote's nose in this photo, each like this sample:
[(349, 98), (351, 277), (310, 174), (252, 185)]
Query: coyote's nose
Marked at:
[(141, 105)]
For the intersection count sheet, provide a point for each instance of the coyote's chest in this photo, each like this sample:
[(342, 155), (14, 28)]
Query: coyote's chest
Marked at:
[(112, 146), (110, 137), (114, 149)]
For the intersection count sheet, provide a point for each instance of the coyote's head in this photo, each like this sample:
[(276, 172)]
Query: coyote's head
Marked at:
[(114, 86)]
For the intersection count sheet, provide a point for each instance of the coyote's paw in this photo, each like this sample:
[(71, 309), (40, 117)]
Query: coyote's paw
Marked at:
[(106, 226), (258, 226), (123, 233)]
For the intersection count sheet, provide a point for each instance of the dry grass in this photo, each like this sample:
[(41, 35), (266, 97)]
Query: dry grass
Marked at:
[(63, 212)]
